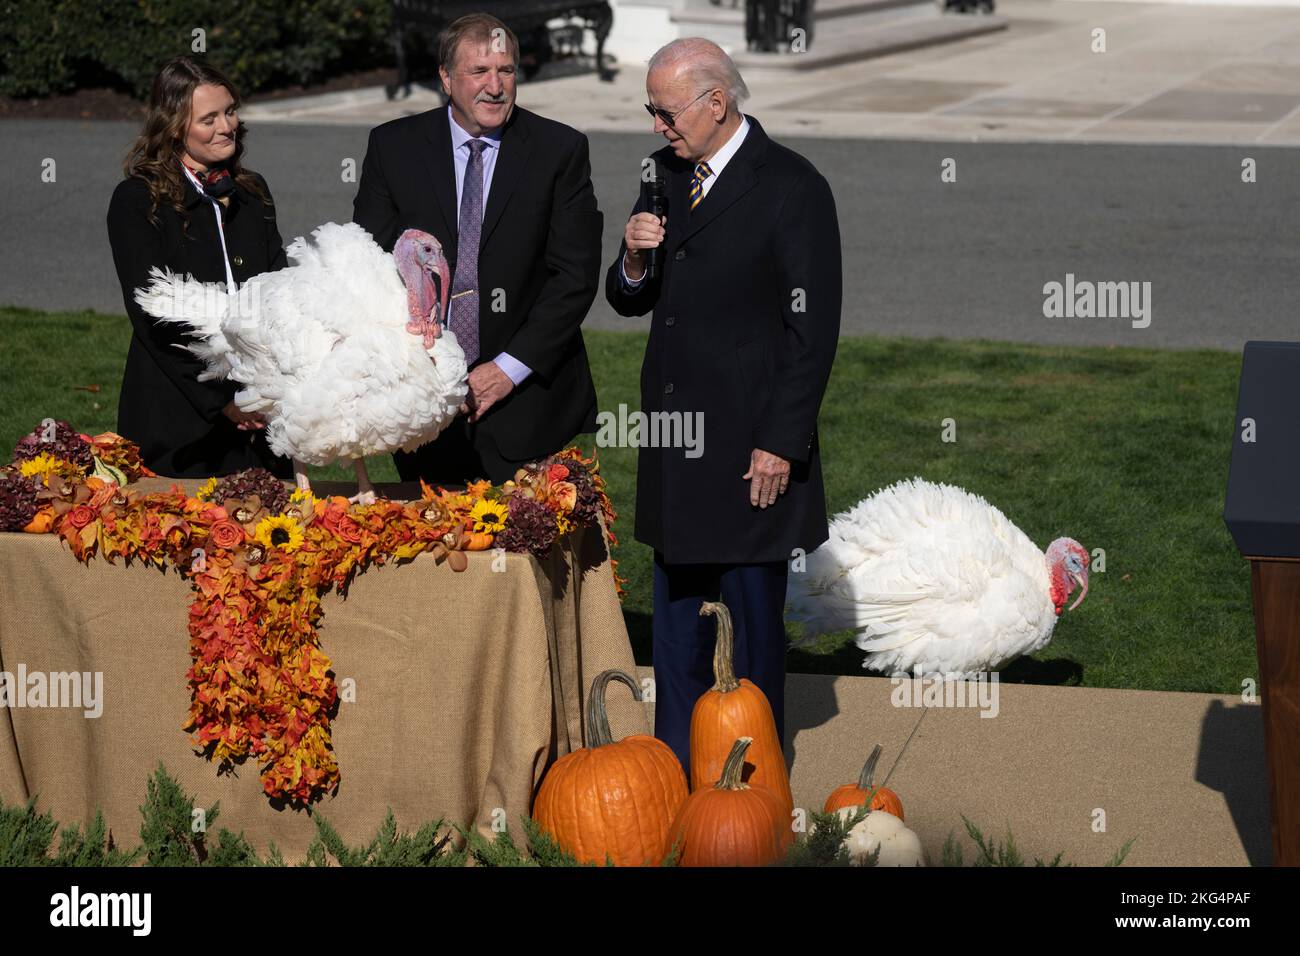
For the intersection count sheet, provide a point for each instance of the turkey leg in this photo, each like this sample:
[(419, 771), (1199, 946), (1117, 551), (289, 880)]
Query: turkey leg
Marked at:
[(365, 490), (300, 475)]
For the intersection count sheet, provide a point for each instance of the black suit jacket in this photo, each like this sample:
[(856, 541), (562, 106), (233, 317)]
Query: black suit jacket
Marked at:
[(539, 259), (746, 320), (174, 418)]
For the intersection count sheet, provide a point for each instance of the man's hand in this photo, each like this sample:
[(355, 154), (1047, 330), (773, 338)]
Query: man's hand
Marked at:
[(487, 386), (643, 231), (244, 421), (768, 475)]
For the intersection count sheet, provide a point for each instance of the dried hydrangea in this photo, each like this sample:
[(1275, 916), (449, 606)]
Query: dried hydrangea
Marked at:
[(63, 443), (530, 526), (271, 491), (18, 503)]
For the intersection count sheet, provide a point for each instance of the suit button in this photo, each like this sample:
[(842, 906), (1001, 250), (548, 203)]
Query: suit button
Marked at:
[(681, 254), (236, 260), (671, 320), (668, 389)]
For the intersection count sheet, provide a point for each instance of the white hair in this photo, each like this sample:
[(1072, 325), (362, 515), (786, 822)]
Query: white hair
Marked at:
[(705, 64)]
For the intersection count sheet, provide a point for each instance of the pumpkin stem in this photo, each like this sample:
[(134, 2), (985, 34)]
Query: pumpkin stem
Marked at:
[(724, 671), (597, 719), (730, 779), (869, 769)]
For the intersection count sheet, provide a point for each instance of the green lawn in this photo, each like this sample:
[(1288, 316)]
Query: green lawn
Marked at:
[(1125, 450)]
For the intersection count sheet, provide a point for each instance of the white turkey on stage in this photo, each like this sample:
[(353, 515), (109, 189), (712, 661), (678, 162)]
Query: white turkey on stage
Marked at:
[(334, 351), (938, 581)]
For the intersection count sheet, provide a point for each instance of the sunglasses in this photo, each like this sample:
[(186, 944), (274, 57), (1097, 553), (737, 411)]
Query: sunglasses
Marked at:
[(668, 117)]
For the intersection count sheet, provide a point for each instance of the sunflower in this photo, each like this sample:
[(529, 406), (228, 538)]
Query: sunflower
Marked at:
[(205, 490), (303, 499), (43, 466), (279, 531), (488, 516)]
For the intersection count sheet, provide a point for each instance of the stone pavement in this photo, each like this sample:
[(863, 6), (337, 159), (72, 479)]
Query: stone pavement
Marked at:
[(1169, 74)]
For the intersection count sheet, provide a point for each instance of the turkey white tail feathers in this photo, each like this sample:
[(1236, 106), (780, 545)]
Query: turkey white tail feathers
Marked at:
[(199, 307), (321, 349), (932, 577)]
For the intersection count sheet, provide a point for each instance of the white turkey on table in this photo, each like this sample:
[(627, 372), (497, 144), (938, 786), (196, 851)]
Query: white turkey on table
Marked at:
[(326, 349), (938, 581)]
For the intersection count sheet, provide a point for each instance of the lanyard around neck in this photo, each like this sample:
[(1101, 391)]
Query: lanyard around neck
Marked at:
[(230, 275)]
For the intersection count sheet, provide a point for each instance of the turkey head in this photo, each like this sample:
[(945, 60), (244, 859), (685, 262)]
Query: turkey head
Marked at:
[(419, 259), (1067, 568)]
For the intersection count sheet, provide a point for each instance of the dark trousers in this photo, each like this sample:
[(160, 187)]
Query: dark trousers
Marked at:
[(457, 456), (684, 641)]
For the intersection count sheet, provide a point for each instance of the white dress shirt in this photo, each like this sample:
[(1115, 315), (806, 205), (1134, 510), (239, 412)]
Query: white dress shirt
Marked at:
[(516, 370), (716, 164)]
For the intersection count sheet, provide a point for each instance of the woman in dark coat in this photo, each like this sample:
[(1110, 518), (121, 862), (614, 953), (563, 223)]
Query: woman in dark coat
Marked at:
[(189, 205)]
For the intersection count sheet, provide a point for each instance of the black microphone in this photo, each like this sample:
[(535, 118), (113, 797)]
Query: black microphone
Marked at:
[(658, 203)]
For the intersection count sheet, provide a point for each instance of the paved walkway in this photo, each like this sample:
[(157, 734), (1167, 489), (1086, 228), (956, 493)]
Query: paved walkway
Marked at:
[(1170, 73)]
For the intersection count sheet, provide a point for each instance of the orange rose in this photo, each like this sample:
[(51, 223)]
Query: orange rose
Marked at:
[(226, 534), (557, 472), (80, 516), (348, 530), (565, 494)]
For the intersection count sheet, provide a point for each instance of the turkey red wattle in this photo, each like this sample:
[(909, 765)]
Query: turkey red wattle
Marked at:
[(419, 258), (1067, 564)]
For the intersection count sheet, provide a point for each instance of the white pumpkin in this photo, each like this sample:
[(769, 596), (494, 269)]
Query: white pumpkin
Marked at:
[(899, 846)]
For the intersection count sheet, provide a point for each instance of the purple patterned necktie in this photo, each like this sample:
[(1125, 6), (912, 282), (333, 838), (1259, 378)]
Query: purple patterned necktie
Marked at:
[(464, 286)]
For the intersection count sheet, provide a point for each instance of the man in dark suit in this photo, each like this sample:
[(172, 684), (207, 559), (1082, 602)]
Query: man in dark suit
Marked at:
[(508, 195), (746, 318)]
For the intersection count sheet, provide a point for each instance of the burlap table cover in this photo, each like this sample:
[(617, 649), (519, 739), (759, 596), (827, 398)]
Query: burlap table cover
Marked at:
[(467, 686)]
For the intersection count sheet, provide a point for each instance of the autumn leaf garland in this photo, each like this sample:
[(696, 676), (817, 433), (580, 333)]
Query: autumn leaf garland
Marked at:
[(259, 558)]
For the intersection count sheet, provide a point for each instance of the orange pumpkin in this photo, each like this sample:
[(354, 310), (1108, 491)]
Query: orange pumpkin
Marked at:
[(41, 522), (615, 799), (478, 540), (856, 794), (731, 823), (735, 708)]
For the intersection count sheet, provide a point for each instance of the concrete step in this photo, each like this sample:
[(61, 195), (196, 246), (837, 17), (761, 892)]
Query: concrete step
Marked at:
[(1161, 764), (830, 48)]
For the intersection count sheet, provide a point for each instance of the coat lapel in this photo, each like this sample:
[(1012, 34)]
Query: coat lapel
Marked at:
[(736, 179), (441, 168), (679, 179), (513, 159)]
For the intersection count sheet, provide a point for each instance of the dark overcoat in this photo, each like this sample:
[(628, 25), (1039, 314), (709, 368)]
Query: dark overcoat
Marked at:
[(175, 419), (745, 325)]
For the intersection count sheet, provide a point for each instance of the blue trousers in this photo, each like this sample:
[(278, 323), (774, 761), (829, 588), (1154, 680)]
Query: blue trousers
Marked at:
[(684, 641)]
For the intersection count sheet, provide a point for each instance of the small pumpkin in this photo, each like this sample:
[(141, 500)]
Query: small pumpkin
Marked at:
[(41, 522), (856, 794), (731, 823), (898, 845), (615, 799), (478, 540), (732, 708)]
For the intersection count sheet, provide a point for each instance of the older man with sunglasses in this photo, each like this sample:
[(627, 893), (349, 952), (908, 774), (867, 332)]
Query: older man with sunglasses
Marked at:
[(746, 314)]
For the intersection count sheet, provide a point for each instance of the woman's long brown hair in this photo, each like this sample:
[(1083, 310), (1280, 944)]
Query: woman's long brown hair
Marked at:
[(155, 156)]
